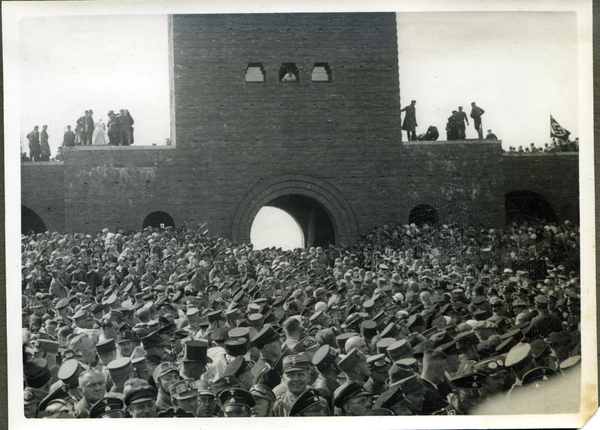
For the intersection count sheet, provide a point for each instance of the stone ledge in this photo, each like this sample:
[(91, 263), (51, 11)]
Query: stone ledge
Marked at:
[(115, 148), (450, 142)]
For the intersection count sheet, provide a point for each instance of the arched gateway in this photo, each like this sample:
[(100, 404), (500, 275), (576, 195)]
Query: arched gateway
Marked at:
[(311, 201)]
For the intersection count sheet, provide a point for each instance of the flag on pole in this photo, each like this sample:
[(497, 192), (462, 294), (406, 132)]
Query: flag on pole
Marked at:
[(557, 131)]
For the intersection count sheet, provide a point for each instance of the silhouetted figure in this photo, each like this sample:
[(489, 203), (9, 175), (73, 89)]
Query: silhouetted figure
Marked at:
[(44, 145), (80, 129), (114, 129), (410, 121), (69, 137), (476, 113), (461, 117), (451, 128), (89, 128), (492, 136), (126, 127), (35, 150)]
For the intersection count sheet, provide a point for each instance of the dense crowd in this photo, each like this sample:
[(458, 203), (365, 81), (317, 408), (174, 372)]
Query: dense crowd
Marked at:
[(407, 321)]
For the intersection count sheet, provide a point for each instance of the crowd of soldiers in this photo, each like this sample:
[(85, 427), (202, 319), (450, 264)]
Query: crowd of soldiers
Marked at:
[(409, 320)]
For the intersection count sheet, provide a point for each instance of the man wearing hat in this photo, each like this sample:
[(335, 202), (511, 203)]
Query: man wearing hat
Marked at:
[(108, 407), (107, 352), (92, 387), (309, 404), (236, 403), (119, 370), (350, 399), (241, 370), (325, 361), (165, 375), (379, 365), (296, 371), (207, 405), (126, 342), (268, 342), (140, 399), (264, 398), (57, 404), (37, 376), (194, 359), (355, 366), (468, 393), (155, 349), (185, 396)]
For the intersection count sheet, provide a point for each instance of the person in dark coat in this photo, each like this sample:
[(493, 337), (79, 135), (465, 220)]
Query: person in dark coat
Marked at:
[(35, 150), (69, 137), (410, 121), (44, 145), (476, 113), (88, 128)]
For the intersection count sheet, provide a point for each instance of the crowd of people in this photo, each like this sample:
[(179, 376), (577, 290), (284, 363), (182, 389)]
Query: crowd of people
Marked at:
[(118, 132), (557, 145), (409, 320)]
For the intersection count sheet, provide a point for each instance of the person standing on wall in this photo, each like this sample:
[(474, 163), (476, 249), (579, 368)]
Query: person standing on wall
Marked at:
[(410, 121), (35, 150), (476, 113)]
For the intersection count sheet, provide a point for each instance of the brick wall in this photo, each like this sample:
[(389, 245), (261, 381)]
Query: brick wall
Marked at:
[(556, 178)]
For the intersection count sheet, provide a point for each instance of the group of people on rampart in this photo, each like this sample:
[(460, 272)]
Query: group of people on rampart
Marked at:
[(409, 320), (118, 132)]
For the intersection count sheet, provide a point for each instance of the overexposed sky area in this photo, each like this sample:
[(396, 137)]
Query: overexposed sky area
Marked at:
[(70, 64), (520, 67)]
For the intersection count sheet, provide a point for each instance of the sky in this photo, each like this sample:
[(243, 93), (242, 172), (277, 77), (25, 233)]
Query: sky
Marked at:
[(70, 64), (519, 67)]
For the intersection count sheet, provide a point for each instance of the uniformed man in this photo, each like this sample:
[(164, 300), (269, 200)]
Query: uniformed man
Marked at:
[(140, 399), (185, 395), (207, 403), (236, 403), (108, 407), (268, 342), (57, 404), (468, 393), (120, 370), (264, 399), (92, 387), (355, 366), (37, 377), (309, 404), (165, 375), (379, 365), (126, 343), (296, 373), (155, 349), (350, 399), (325, 360), (241, 370)]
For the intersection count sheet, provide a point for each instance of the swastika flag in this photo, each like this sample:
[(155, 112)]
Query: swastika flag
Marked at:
[(557, 131)]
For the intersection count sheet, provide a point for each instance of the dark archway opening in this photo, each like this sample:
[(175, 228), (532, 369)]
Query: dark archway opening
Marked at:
[(314, 220), (30, 221), (421, 214), (158, 220), (527, 206)]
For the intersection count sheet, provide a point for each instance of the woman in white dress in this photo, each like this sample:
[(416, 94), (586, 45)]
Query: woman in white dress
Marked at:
[(99, 136)]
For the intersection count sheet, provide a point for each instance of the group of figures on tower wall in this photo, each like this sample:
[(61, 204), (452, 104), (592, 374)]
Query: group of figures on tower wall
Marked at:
[(118, 132), (409, 320), (455, 128)]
